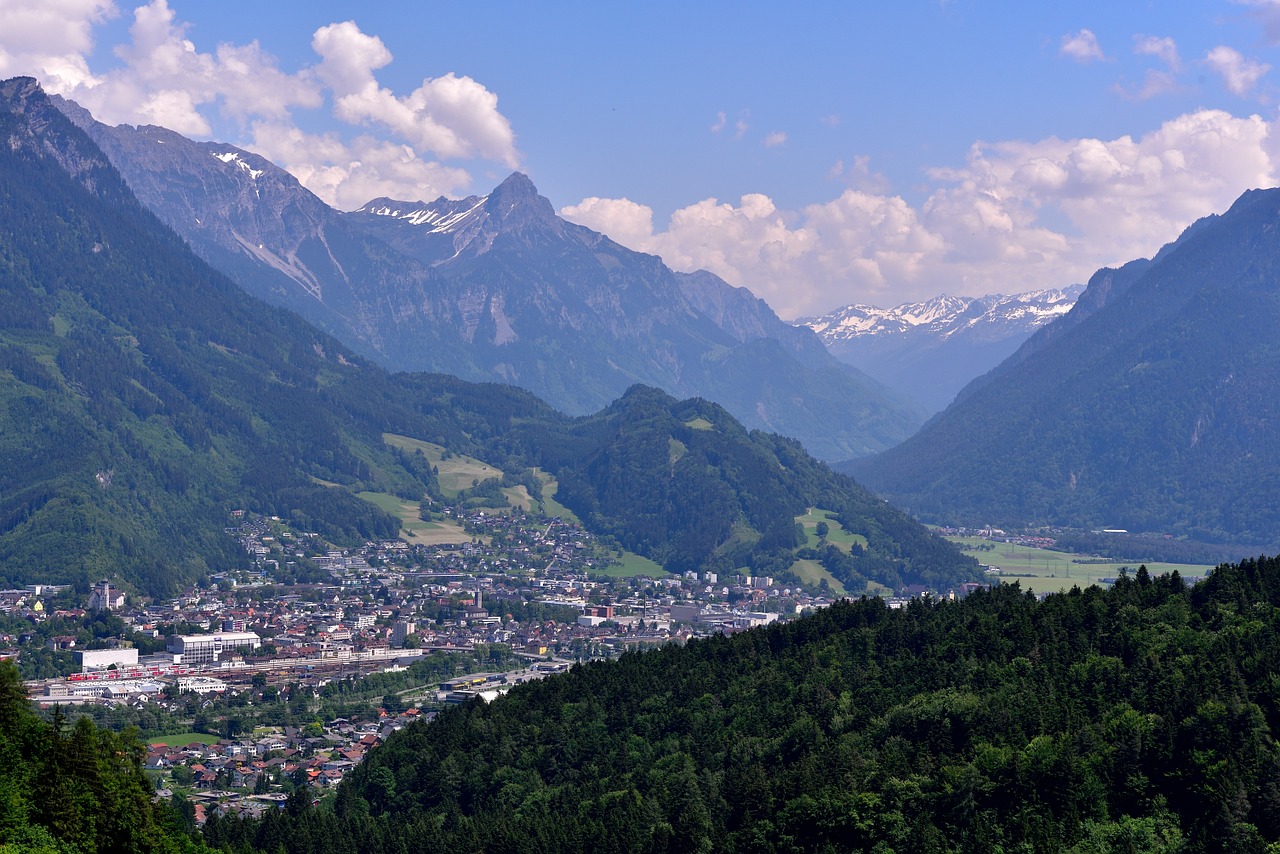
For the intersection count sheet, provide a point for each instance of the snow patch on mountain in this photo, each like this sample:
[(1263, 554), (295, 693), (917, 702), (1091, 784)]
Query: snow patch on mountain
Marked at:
[(443, 216), (234, 157)]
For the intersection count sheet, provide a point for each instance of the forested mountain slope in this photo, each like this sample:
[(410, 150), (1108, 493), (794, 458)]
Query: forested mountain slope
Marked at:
[(1156, 410), (143, 396), (1138, 718)]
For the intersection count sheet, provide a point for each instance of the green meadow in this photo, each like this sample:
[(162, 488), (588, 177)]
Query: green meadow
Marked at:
[(1049, 571)]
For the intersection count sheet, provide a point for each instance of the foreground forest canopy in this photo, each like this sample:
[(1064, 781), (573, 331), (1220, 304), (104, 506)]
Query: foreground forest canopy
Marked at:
[(1136, 718), (77, 789)]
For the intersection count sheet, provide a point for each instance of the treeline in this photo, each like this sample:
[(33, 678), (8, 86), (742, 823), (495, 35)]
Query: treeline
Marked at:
[(1156, 548), (78, 789), (1137, 718)]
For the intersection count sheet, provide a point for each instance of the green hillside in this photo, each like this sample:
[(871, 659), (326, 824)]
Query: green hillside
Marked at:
[(79, 789)]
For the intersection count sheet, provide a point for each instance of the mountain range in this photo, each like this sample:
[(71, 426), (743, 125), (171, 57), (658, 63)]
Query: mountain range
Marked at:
[(929, 350), (498, 287), (144, 395), (1153, 405)]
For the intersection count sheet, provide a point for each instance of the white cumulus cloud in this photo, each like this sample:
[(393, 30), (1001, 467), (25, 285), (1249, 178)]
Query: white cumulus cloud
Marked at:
[(1238, 73), (449, 116), (49, 39), (1015, 216), (162, 77), (1082, 47)]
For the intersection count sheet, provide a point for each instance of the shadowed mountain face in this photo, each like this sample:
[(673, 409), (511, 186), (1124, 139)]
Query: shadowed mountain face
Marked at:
[(1154, 405), (500, 288), (929, 350)]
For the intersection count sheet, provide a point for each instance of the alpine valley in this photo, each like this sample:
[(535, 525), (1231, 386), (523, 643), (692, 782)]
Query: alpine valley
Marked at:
[(929, 350), (500, 288), (159, 379), (1153, 405), (144, 395)]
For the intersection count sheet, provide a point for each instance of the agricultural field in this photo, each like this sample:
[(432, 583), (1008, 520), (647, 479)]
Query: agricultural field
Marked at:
[(836, 534), (1049, 571), (415, 530), (812, 572), (630, 565), (551, 507), (455, 472), (182, 739)]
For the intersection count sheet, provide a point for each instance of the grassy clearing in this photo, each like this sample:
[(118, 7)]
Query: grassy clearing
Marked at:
[(1048, 571), (875, 588), (518, 496), (182, 739), (413, 529), (836, 535), (700, 423), (630, 565), (455, 473), (740, 535), (551, 507), (812, 572)]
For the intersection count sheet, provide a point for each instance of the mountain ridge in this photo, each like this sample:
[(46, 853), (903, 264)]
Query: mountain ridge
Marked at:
[(1154, 410), (505, 291), (144, 396), (930, 350)]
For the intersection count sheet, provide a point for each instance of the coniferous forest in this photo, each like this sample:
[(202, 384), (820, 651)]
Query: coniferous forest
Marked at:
[(1137, 718), (77, 789)]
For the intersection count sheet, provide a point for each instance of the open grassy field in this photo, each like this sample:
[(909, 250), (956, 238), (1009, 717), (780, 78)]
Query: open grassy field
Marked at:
[(631, 564), (812, 572), (182, 739), (837, 535), (551, 507), (455, 473), (1048, 571), (518, 496), (413, 529)]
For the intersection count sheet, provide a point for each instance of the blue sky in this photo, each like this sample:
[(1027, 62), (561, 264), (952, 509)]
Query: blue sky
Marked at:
[(820, 153)]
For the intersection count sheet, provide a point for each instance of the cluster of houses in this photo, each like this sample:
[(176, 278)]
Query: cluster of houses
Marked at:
[(246, 775)]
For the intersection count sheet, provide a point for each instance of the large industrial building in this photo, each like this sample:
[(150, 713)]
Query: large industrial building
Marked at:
[(207, 649), (101, 659)]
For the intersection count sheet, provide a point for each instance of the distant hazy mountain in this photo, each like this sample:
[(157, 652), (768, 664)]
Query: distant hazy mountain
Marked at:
[(1152, 406), (498, 287), (930, 350)]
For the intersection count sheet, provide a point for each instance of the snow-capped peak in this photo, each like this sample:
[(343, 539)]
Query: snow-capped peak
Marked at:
[(944, 315)]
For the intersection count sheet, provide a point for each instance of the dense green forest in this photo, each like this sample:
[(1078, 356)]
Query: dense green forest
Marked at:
[(143, 396), (77, 790), (1137, 718)]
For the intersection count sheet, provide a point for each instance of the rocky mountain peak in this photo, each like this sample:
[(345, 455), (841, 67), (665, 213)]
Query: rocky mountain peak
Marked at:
[(516, 203)]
